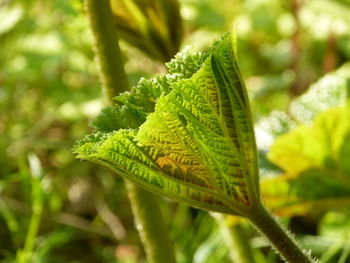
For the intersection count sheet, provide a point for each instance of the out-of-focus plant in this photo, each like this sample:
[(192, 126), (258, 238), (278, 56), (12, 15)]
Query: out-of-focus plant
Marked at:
[(312, 151), (27, 253), (316, 150), (155, 27), (45, 57)]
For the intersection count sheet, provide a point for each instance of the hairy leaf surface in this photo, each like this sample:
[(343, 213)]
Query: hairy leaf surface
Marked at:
[(133, 107), (197, 146)]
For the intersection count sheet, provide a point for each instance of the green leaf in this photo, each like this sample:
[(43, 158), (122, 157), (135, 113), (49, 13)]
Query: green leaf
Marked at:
[(314, 155), (314, 146), (331, 90), (186, 63), (133, 107), (198, 146), (313, 191), (153, 26), (315, 159)]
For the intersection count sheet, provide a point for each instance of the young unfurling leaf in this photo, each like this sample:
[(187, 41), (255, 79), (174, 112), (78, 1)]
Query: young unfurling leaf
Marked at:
[(133, 107), (197, 146)]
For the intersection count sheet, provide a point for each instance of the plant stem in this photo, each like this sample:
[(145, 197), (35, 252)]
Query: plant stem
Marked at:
[(150, 224), (278, 236), (236, 240), (107, 50), (244, 253), (37, 210), (145, 206)]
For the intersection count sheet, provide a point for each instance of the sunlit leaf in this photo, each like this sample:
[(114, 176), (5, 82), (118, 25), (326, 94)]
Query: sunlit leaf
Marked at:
[(316, 162), (315, 146), (331, 90), (318, 192), (198, 146), (133, 107)]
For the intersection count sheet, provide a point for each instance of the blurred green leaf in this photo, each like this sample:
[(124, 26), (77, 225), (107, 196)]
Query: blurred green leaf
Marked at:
[(153, 26), (331, 90), (313, 155), (313, 147), (9, 17), (315, 161)]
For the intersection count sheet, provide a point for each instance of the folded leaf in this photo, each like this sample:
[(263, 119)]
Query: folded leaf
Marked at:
[(198, 146)]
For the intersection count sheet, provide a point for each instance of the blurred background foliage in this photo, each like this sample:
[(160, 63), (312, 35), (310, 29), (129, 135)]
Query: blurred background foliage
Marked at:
[(293, 55)]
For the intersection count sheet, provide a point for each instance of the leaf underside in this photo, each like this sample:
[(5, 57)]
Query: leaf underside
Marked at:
[(197, 146)]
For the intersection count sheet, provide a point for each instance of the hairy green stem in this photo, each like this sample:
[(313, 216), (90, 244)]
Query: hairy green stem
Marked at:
[(107, 50), (278, 236), (150, 225), (145, 206)]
